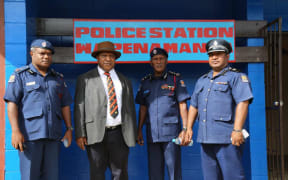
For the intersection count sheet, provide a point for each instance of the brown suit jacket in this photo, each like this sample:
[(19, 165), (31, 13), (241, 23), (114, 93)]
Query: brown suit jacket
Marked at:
[(90, 108)]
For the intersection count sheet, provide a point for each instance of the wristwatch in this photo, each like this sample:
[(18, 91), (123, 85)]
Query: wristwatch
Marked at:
[(184, 129), (69, 128)]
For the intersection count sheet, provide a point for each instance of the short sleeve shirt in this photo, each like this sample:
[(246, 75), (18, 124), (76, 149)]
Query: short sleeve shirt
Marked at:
[(40, 100), (161, 96), (216, 99)]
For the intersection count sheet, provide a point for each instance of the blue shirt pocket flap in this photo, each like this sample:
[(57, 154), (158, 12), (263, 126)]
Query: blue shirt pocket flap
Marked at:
[(170, 120), (221, 87), (30, 88), (222, 117), (33, 113)]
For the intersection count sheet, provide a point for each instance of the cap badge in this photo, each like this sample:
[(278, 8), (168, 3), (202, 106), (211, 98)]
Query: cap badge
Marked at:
[(154, 51), (44, 44), (215, 43)]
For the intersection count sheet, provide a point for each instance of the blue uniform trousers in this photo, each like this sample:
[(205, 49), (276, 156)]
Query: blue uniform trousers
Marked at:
[(161, 152), (222, 161), (40, 160)]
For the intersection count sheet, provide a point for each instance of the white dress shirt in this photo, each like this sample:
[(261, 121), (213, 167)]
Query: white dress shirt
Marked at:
[(110, 121)]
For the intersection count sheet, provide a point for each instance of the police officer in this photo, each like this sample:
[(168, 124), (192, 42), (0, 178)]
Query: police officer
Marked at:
[(37, 100), (220, 103), (162, 97)]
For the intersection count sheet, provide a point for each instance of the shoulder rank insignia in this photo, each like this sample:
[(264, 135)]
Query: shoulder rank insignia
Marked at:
[(21, 69), (234, 69), (149, 76), (174, 73), (55, 73)]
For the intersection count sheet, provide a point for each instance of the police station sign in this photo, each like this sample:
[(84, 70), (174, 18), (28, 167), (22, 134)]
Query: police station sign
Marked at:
[(185, 40)]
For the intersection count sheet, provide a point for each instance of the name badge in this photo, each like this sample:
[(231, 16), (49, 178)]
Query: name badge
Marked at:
[(30, 83), (221, 83)]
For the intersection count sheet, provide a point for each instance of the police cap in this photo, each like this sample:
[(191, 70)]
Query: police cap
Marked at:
[(157, 51), (218, 45), (42, 43)]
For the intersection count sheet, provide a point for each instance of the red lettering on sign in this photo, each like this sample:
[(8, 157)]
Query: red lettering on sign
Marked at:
[(168, 32), (197, 46), (108, 33), (140, 32), (127, 48), (171, 47), (180, 32), (228, 33), (97, 32), (199, 32), (125, 33), (118, 46), (83, 47), (191, 32), (185, 47), (155, 33), (118, 32), (210, 32), (81, 30), (95, 47), (138, 47)]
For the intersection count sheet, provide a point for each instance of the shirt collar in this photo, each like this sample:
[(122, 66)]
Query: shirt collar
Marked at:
[(210, 74), (34, 70), (101, 71), (163, 76)]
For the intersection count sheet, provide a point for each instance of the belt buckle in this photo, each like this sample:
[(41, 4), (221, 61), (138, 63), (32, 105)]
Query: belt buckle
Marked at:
[(111, 127)]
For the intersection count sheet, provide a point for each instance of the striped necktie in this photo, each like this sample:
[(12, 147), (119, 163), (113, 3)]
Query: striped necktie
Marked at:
[(113, 107)]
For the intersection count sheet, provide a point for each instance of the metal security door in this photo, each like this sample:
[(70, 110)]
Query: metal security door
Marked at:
[(275, 125)]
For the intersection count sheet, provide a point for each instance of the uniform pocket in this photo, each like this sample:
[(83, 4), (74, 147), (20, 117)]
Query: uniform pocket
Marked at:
[(32, 87), (170, 120), (220, 87), (35, 110), (222, 117)]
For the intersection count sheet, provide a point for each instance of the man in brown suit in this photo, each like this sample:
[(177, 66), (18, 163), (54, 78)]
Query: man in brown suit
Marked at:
[(104, 115)]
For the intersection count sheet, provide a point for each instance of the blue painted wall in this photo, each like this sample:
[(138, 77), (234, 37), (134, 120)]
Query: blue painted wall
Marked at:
[(20, 30)]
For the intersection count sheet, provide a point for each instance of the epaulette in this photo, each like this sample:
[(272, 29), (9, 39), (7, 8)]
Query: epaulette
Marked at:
[(234, 69), (55, 73), (174, 73), (22, 69), (149, 76)]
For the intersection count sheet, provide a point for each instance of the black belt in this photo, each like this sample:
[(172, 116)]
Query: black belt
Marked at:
[(112, 128)]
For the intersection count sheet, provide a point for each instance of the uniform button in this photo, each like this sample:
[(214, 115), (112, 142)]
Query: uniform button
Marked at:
[(209, 89), (211, 80), (204, 120), (204, 110), (220, 88), (206, 99), (221, 118)]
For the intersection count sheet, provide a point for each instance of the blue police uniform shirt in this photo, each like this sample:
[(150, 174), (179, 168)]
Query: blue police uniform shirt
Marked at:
[(161, 96), (40, 100), (216, 99)]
